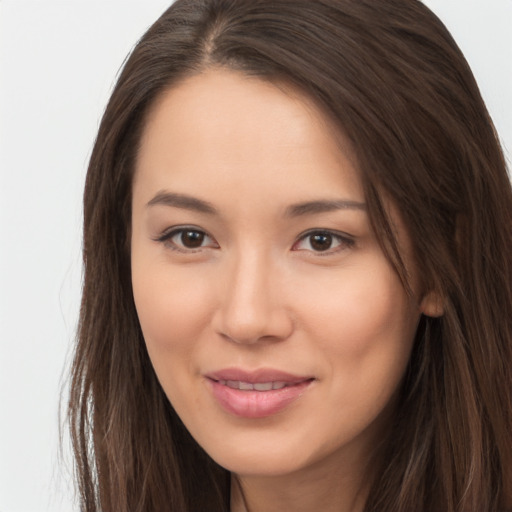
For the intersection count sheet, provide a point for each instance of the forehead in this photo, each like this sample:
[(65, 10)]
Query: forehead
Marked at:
[(227, 128)]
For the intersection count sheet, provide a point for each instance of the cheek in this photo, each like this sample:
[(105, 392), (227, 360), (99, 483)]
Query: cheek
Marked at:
[(358, 302), (172, 312), (172, 309), (365, 323)]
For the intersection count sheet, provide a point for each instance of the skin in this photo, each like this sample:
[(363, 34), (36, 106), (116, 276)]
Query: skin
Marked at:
[(257, 293)]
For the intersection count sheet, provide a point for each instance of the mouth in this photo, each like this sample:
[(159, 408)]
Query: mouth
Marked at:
[(254, 386), (258, 394)]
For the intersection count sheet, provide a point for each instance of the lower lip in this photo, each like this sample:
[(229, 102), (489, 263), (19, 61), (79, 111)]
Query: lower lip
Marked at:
[(256, 404)]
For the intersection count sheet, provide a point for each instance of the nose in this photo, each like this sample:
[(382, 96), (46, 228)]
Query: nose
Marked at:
[(251, 307)]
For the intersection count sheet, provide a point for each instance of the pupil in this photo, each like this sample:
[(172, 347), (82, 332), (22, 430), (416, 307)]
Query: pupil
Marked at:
[(192, 239), (321, 242)]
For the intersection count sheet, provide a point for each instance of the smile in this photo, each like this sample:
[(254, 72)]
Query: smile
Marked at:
[(258, 394)]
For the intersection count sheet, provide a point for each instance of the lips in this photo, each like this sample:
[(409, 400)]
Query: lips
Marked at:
[(256, 394)]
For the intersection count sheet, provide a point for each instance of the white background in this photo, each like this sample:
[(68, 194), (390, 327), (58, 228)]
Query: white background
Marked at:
[(58, 61)]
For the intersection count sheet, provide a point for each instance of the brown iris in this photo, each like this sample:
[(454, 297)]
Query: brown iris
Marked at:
[(321, 241), (192, 239)]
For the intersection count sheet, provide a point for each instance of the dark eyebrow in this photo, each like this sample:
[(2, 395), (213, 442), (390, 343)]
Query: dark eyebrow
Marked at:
[(322, 206), (295, 210), (182, 201)]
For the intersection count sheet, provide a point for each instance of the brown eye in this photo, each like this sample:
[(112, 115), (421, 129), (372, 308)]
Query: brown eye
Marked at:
[(324, 242), (187, 240), (192, 239), (320, 242)]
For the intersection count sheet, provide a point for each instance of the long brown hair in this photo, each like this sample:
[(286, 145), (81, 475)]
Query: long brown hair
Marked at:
[(392, 78)]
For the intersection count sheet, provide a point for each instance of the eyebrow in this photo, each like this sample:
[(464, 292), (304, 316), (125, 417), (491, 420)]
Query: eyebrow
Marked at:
[(187, 202), (323, 206), (182, 201)]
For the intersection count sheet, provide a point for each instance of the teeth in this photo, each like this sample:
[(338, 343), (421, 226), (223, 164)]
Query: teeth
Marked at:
[(249, 386), (263, 386)]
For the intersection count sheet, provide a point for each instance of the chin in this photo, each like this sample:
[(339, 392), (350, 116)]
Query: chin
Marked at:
[(262, 465)]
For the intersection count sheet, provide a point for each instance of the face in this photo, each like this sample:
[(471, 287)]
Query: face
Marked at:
[(275, 324)]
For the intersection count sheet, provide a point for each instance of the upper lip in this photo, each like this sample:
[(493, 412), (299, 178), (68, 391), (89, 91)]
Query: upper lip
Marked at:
[(256, 376)]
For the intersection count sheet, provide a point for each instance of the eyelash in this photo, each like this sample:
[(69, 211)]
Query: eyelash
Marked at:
[(344, 240)]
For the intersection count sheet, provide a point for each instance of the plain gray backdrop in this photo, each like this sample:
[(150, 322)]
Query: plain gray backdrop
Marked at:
[(58, 62)]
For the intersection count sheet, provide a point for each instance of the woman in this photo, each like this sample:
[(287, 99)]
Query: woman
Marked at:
[(297, 290)]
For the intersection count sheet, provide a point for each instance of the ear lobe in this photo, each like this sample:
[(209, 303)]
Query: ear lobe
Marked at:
[(432, 305)]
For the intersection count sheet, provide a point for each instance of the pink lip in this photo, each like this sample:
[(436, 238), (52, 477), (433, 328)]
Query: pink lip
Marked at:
[(253, 403)]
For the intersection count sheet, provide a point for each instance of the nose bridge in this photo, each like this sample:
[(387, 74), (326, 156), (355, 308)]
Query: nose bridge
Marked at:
[(251, 306)]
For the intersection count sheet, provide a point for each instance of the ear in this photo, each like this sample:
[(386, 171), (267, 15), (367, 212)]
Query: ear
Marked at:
[(432, 304)]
